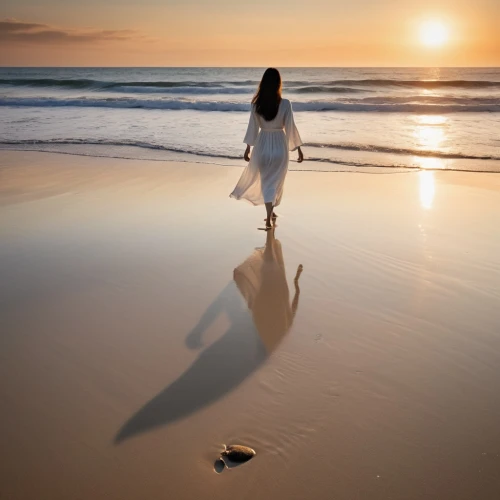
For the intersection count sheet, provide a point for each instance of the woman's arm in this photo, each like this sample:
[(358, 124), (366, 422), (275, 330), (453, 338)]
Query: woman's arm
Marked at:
[(252, 133), (292, 134)]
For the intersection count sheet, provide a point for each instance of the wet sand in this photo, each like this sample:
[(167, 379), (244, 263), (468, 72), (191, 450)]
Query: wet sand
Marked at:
[(145, 322)]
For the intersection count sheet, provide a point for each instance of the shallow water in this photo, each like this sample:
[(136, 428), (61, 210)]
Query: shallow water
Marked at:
[(380, 120)]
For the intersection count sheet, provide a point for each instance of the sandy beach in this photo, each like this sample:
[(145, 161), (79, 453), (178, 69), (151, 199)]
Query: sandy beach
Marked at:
[(146, 321)]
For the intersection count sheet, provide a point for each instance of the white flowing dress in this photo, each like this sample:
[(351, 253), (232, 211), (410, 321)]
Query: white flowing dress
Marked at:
[(263, 179)]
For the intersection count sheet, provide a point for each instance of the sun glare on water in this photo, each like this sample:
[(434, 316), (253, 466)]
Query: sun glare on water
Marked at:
[(433, 33)]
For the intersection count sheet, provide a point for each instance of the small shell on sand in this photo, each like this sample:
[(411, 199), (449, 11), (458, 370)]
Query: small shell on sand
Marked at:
[(238, 453)]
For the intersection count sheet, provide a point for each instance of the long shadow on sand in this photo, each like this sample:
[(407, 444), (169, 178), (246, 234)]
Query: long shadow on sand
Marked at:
[(249, 340)]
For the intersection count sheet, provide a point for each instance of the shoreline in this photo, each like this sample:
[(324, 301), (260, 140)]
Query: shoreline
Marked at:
[(225, 161)]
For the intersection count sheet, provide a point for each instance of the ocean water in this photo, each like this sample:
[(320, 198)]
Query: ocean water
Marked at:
[(351, 119)]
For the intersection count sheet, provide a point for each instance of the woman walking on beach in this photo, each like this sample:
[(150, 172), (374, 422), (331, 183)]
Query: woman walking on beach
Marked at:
[(263, 179)]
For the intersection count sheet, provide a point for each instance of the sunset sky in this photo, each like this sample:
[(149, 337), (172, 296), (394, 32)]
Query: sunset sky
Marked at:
[(257, 33)]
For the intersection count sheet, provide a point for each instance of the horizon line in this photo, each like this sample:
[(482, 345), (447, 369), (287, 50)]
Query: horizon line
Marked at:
[(250, 67)]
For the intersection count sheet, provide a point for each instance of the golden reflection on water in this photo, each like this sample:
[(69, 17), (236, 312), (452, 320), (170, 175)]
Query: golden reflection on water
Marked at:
[(429, 137), (427, 189), (429, 163), (430, 134), (432, 120), (429, 93)]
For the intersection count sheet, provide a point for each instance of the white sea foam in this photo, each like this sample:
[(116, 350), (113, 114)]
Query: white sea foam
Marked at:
[(360, 106)]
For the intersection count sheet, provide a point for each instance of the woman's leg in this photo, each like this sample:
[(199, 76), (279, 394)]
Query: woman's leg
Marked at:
[(269, 211)]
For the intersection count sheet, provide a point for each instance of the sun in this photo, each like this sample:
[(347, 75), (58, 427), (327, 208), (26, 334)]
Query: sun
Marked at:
[(433, 33)]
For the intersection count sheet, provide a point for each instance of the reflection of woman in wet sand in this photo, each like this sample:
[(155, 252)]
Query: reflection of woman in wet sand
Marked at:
[(226, 363), (261, 280)]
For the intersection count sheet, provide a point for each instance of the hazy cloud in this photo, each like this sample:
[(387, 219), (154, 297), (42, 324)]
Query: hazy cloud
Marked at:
[(18, 31)]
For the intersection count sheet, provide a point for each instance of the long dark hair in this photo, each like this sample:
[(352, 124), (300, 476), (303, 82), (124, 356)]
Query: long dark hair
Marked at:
[(268, 96)]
